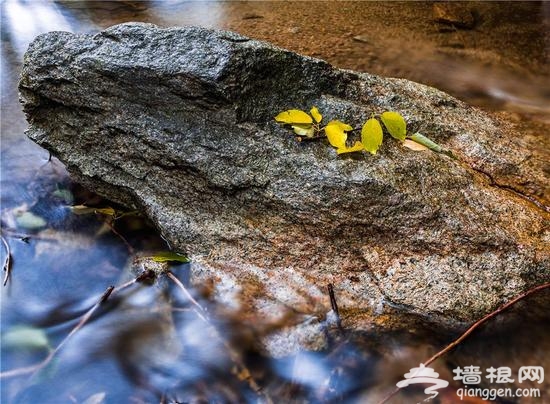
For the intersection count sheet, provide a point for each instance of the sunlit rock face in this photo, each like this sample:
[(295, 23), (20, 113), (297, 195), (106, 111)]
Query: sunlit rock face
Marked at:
[(178, 122)]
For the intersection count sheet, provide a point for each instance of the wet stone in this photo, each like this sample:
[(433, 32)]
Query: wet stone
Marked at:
[(178, 123)]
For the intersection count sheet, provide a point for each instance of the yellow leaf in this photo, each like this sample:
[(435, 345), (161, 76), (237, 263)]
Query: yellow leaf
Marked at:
[(84, 210), (304, 130), (371, 135), (316, 115), (294, 116), (106, 211), (355, 148), (395, 124), (411, 144), (336, 133)]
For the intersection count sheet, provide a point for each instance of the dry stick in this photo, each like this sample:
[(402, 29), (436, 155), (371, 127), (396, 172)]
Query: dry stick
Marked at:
[(85, 318), (234, 356), (334, 306), (473, 327), (7, 262), (128, 245)]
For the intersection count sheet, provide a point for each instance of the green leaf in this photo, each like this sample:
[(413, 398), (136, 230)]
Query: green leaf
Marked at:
[(294, 116), (29, 220), (169, 256), (25, 337), (395, 124), (336, 133), (371, 135), (304, 130), (423, 140), (316, 115)]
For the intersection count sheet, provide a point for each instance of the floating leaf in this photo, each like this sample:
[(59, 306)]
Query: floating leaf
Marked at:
[(294, 116), (169, 256), (26, 338), (29, 220), (336, 133), (371, 135), (304, 130), (423, 140), (316, 115), (97, 398), (358, 146), (85, 210), (395, 124), (411, 144), (82, 209), (106, 211)]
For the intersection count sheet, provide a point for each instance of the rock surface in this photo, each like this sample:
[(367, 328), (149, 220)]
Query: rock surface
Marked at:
[(178, 122)]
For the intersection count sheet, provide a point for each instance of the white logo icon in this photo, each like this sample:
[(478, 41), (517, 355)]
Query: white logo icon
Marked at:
[(425, 375)]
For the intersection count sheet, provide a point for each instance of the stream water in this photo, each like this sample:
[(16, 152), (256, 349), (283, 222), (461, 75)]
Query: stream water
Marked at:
[(146, 344)]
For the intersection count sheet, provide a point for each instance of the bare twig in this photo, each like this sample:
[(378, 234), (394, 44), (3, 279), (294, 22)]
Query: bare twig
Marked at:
[(473, 327), (185, 292), (334, 306), (85, 318), (128, 245), (7, 262)]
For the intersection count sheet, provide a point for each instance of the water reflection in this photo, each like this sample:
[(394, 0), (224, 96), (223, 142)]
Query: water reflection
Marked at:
[(24, 20), (148, 344)]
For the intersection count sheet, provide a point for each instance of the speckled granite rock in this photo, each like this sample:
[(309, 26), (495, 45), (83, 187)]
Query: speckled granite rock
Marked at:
[(178, 122)]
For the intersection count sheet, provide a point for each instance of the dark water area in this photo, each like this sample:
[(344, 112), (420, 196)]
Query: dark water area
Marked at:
[(148, 344)]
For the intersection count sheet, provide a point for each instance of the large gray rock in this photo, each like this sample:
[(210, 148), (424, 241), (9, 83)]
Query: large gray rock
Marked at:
[(178, 122)]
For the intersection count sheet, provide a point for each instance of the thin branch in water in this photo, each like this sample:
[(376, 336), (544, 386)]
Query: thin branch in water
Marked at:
[(7, 262), (473, 327), (201, 312), (128, 245), (85, 318)]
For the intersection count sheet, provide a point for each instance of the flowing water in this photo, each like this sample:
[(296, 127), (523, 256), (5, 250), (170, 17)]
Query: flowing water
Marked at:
[(146, 343)]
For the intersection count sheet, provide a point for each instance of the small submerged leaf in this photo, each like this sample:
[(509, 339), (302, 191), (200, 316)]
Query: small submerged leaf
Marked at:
[(25, 337), (316, 115), (65, 195), (358, 146), (336, 133), (169, 256), (371, 135), (30, 221), (395, 124), (294, 116), (423, 140), (411, 144)]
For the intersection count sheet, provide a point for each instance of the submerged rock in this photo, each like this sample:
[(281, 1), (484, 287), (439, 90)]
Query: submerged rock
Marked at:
[(178, 122)]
